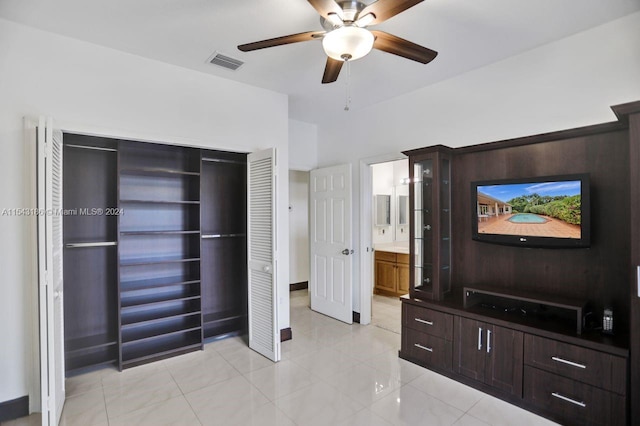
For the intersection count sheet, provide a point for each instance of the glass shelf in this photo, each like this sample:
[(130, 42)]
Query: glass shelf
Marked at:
[(431, 231)]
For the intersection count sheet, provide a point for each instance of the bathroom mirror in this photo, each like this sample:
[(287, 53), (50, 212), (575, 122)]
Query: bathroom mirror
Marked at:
[(403, 210), (382, 205)]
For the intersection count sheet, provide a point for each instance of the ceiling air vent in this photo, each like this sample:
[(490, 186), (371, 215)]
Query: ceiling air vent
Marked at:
[(225, 61)]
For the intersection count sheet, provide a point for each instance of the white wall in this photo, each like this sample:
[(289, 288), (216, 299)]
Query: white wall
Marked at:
[(303, 145), (88, 88), (298, 226), (565, 84)]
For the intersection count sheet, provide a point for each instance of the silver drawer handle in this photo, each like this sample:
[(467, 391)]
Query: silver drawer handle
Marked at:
[(564, 361), (573, 401), (418, 345), (424, 321)]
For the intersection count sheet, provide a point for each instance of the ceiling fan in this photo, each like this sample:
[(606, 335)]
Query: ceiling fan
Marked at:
[(346, 37)]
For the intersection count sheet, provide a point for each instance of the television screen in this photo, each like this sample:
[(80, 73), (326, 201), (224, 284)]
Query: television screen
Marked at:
[(550, 211)]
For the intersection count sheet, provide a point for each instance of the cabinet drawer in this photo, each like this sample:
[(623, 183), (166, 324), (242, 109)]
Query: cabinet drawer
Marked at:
[(585, 365), (427, 321), (430, 350), (386, 255), (402, 258), (572, 402)]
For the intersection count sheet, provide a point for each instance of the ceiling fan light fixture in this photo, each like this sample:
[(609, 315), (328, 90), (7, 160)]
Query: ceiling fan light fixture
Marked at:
[(335, 20), (348, 43), (366, 20)]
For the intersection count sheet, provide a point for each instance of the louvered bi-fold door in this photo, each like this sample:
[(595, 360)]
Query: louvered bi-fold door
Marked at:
[(264, 336), (50, 271)]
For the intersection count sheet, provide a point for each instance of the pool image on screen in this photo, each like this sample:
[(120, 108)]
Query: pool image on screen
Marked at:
[(534, 209)]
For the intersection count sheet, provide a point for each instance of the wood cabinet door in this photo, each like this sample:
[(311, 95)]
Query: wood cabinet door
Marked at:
[(504, 359), (385, 275), (468, 348), (403, 278)]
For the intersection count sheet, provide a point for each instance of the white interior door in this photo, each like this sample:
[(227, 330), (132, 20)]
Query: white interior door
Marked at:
[(331, 251), (264, 333), (50, 277)]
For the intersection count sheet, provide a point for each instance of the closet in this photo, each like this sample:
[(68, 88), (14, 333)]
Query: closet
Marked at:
[(90, 255), (155, 250)]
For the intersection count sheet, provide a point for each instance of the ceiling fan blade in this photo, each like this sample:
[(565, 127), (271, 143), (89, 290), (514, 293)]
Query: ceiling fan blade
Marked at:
[(279, 41), (385, 9), (326, 7), (401, 47), (331, 70)]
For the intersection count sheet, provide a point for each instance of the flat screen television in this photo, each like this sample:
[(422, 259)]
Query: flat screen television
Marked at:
[(549, 211)]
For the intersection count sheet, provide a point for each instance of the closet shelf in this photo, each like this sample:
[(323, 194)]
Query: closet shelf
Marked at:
[(148, 354), (131, 303), (157, 260), (139, 201), (79, 345), (213, 318), (145, 318), (80, 364), (156, 171), (146, 335), (126, 286), (168, 232)]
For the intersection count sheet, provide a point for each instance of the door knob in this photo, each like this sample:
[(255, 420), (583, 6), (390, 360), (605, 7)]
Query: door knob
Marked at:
[(266, 268), (345, 252), (57, 294)]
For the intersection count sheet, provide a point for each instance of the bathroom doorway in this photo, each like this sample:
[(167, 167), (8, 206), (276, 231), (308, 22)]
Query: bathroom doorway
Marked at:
[(390, 241)]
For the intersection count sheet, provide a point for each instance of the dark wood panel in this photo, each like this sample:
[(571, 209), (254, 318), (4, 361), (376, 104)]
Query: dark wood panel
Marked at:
[(140, 217), (224, 197), (429, 350), (634, 161), (503, 367), (141, 248), (170, 188), (612, 344), (598, 274), (141, 155), (468, 348), (427, 321), (592, 406), (224, 275), (89, 182), (90, 292), (588, 366)]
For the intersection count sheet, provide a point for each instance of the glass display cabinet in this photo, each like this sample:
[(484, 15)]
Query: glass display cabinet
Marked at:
[(430, 204)]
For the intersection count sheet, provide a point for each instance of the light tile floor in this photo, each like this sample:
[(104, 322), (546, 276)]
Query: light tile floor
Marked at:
[(331, 374)]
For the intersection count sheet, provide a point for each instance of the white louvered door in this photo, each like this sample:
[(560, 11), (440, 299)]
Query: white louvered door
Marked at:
[(50, 273), (264, 335)]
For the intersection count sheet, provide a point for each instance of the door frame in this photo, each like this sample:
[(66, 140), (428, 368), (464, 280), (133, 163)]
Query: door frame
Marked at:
[(366, 230)]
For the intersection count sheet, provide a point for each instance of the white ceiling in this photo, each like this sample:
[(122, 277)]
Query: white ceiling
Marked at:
[(468, 34)]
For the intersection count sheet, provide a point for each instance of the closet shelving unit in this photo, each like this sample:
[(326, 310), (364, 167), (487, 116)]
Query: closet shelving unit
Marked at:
[(224, 243), (159, 251), (155, 258), (90, 253)]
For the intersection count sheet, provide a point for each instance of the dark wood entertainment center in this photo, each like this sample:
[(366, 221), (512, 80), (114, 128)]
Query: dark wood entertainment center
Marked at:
[(522, 323)]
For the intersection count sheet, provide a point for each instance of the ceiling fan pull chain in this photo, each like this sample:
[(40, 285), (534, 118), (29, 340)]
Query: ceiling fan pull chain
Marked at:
[(348, 91)]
